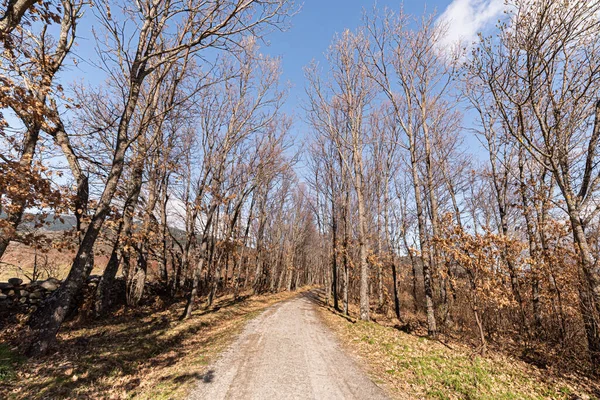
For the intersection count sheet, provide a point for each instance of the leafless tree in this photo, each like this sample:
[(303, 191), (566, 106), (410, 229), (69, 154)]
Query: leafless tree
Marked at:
[(164, 33), (338, 108), (542, 73)]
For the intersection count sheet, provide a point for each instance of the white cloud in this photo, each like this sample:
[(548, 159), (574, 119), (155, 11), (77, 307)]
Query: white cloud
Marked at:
[(464, 19)]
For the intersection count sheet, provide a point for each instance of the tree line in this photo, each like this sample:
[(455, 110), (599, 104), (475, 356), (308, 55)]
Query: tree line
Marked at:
[(499, 242), (179, 161), (182, 164)]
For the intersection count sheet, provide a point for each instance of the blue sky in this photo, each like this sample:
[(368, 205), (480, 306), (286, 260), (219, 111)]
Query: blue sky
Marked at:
[(314, 27), (311, 33), (313, 30)]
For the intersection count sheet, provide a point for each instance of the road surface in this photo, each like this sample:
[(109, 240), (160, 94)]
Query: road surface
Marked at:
[(286, 353)]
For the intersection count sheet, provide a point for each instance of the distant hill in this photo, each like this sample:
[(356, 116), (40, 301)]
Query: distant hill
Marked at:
[(68, 222), (52, 224)]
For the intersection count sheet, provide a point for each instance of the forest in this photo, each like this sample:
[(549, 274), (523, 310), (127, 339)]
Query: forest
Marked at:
[(453, 189)]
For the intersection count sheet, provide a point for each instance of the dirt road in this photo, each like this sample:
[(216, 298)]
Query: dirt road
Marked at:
[(286, 353)]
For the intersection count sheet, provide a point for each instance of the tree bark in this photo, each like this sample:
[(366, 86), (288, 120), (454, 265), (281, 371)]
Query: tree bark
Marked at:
[(18, 205), (362, 245), (48, 318), (334, 266), (427, 282), (105, 287), (15, 9)]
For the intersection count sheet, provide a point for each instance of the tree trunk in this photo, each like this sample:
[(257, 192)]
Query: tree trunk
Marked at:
[(395, 287), (500, 184), (18, 205), (105, 287), (433, 204), (346, 215), (203, 258), (136, 280), (334, 267), (362, 247), (346, 258), (427, 282), (48, 318), (163, 270), (189, 307), (533, 253)]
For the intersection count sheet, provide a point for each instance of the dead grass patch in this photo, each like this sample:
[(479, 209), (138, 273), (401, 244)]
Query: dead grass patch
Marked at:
[(19, 259), (413, 366), (143, 354)]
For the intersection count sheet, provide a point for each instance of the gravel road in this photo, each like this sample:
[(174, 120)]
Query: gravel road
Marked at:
[(286, 353)]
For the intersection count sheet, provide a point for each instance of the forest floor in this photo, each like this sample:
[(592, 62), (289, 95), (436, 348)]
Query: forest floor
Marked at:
[(411, 366), (141, 354), (288, 343)]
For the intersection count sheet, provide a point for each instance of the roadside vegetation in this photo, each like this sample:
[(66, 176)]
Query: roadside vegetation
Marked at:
[(413, 366), (147, 353)]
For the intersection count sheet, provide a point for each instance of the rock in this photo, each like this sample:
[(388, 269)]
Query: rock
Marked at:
[(5, 286), (11, 293), (35, 295), (3, 297), (23, 300), (50, 284), (24, 293), (15, 281)]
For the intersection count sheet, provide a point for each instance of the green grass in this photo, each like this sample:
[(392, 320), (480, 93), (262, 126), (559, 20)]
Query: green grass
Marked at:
[(8, 362), (421, 368)]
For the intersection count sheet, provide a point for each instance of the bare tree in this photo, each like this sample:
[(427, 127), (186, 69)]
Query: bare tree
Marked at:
[(542, 73), (408, 66), (195, 26), (338, 108)]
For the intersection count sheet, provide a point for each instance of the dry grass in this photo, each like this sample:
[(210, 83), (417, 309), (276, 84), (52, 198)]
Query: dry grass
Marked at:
[(141, 355), (18, 262), (412, 366)]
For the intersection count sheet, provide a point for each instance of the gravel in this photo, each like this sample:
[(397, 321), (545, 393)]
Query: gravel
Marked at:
[(286, 353)]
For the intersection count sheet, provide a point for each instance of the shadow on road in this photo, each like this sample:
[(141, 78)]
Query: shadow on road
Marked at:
[(208, 377), (318, 297)]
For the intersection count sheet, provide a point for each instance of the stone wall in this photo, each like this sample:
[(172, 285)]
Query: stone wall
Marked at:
[(19, 296)]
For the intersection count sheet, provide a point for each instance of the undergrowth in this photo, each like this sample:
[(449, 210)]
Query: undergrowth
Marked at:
[(136, 354), (410, 366), (9, 360)]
